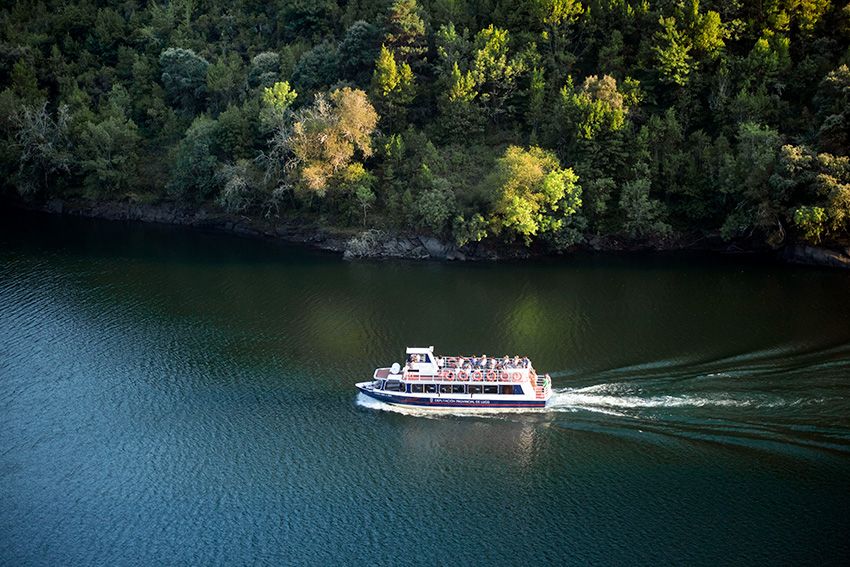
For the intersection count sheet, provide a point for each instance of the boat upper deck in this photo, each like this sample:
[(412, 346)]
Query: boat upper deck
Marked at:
[(422, 364)]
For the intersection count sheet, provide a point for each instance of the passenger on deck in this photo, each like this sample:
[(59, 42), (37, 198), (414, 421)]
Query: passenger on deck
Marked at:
[(525, 362)]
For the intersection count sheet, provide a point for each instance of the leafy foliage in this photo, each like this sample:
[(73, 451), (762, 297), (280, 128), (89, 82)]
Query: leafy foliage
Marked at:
[(678, 117), (532, 193)]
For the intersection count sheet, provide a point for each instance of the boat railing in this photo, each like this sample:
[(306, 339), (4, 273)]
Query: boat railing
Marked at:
[(474, 375), (458, 362)]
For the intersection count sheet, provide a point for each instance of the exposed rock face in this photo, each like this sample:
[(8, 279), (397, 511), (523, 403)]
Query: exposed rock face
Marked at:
[(380, 244), (814, 255)]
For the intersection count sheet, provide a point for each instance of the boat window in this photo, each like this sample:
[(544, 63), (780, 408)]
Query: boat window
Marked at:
[(475, 389), (417, 388), (510, 389), (445, 388), (491, 389), (457, 388), (393, 386), (431, 388)]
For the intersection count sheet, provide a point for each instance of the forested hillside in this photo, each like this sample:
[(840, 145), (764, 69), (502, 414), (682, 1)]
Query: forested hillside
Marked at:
[(540, 122)]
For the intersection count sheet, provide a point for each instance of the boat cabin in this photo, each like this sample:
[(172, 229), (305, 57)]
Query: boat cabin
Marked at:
[(421, 360)]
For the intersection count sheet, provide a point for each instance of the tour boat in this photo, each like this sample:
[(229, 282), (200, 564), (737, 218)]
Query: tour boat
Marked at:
[(430, 382)]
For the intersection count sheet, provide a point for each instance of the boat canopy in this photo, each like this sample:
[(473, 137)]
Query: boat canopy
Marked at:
[(420, 350)]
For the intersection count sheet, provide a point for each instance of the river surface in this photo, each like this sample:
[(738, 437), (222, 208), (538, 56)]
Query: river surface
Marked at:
[(170, 397)]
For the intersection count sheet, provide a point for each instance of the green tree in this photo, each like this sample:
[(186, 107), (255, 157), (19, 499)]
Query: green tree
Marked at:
[(495, 71), (597, 106), (184, 76), (107, 147), (264, 70), (279, 96), (194, 171), (642, 214), (459, 113), (358, 183), (225, 81), (559, 20), (812, 222), (672, 51), (317, 69), (358, 51), (392, 86), (404, 29), (756, 204), (833, 107), (532, 193)]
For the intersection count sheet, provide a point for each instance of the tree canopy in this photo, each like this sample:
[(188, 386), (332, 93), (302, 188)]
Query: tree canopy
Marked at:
[(536, 122)]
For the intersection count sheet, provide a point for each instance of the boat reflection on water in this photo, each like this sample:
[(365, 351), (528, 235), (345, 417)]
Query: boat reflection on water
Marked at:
[(464, 433)]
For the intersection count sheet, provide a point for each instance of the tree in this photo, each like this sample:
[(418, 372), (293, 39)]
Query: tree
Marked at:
[(317, 68), (194, 174), (833, 106), (279, 96), (264, 70), (435, 204), (237, 190), (812, 222), (44, 155), (459, 113), (392, 86), (107, 145), (355, 181), (184, 76), (405, 31), (494, 71), (225, 81), (672, 50), (642, 214), (533, 194), (596, 107), (324, 139), (558, 19), (685, 39), (358, 51), (756, 203), (276, 102)]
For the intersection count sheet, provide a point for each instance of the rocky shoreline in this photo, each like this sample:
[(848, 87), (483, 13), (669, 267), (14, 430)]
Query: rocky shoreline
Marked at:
[(377, 244)]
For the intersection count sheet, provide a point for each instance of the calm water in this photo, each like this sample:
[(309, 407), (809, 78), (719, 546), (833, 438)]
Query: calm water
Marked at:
[(169, 397)]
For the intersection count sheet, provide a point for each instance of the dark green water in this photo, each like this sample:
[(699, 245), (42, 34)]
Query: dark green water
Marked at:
[(171, 398)]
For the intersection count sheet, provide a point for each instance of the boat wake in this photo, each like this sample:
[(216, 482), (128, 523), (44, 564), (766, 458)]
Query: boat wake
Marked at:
[(769, 399), (622, 399)]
